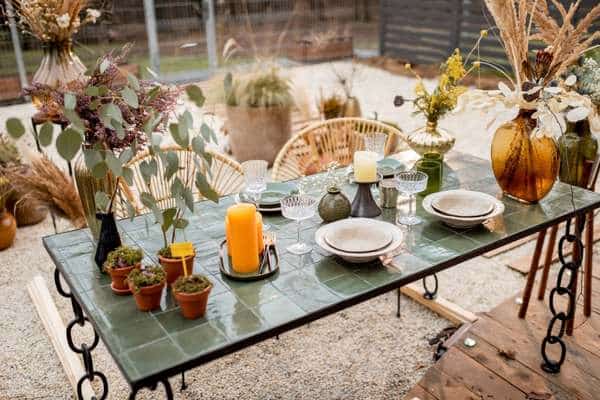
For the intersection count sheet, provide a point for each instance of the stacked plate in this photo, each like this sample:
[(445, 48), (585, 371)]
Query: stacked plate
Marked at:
[(270, 200), (462, 208), (359, 240)]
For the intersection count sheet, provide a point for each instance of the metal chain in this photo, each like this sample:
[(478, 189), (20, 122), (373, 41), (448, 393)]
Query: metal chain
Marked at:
[(430, 295), (84, 349), (562, 317)]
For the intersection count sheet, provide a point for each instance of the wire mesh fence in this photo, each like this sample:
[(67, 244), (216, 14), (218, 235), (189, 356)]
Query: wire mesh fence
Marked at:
[(300, 30)]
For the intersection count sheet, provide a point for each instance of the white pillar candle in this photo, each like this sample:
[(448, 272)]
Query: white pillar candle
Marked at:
[(365, 166)]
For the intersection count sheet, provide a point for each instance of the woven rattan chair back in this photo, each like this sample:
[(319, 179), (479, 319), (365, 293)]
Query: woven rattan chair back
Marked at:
[(225, 177), (316, 146)]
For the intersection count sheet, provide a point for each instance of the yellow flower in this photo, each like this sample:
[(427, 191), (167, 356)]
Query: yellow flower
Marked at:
[(444, 81), (454, 66), (407, 66), (483, 33)]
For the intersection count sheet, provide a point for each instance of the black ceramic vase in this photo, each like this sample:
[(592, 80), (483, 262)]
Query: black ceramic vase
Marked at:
[(109, 238), (363, 204)]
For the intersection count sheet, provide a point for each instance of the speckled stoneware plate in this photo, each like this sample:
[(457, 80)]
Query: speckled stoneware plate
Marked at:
[(360, 258), (463, 222), (463, 203), (273, 195), (227, 271), (358, 235)]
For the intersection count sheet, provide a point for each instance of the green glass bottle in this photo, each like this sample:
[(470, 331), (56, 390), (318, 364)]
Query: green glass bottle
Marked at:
[(578, 151)]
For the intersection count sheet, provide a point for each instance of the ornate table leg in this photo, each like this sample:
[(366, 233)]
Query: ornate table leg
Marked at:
[(84, 349), (430, 295), (563, 317), (166, 384)]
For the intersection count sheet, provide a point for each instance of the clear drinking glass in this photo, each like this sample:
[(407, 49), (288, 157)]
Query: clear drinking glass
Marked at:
[(376, 144), (255, 177), (410, 183), (298, 208)]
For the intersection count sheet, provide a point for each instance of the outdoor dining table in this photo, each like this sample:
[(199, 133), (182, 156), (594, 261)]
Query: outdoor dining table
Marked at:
[(150, 347)]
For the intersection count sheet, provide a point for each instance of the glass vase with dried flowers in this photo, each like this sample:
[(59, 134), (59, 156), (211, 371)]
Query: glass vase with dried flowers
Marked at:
[(54, 23), (434, 105), (525, 156)]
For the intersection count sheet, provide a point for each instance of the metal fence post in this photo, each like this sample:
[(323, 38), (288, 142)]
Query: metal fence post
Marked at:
[(14, 34), (150, 15), (211, 37)]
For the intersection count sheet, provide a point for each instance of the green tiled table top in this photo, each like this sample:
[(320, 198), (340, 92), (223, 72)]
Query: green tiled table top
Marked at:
[(146, 345)]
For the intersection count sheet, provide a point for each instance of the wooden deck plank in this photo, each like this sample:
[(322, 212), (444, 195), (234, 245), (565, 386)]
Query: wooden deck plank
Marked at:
[(418, 393), (576, 373), (526, 379), (586, 335), (480, 381), (442, 386), (506, 361)]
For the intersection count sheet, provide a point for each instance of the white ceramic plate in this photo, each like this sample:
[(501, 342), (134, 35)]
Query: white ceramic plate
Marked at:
[(358, 235), (462, 203), (463, 222), (360, 258)]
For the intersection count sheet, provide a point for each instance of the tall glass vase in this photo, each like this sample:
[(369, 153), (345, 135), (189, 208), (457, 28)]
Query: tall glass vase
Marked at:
[(525, 165), (59, 65), (578, 152)]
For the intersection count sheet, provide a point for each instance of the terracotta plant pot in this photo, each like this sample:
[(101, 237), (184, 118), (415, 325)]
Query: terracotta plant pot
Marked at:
[(258, 133), (193, 305), (8, 229), (174, 267), (119, 275), (148, 298)]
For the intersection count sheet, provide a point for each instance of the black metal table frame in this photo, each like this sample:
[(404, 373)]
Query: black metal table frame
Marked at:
[(549, 365)]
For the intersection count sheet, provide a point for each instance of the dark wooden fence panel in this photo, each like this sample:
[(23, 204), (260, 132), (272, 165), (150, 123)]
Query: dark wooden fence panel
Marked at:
[(427, 31)]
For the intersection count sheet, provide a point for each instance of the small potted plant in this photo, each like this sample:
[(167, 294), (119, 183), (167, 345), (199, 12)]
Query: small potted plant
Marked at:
[(147, 285), (173, 266), (191, 293), (119, 263)]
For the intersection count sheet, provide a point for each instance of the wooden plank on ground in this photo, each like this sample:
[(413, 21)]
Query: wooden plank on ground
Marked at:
[(522, 264), (585, 335), (452, 312), (443, 386), (38, 291), (524, 341), (418, 393), (526, 379), (477, 379)]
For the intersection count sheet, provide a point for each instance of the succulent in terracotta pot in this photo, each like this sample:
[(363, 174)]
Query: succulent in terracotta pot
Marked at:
[(147, 285), (8, 224), (191, 293), (173, 266), (119, 263)]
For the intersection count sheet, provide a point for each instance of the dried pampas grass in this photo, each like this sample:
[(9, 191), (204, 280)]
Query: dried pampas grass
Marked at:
[(567, 41), (49, 185), (511, 18)]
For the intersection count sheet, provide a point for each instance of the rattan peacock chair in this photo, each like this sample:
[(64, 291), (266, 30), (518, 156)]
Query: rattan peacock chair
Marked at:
[(226, 177), (313, 148)]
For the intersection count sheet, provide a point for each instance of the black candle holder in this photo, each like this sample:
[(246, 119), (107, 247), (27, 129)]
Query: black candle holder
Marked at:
[(363, 204)]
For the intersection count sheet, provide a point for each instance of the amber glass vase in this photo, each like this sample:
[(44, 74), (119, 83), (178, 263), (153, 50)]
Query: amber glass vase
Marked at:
[(525, 166)]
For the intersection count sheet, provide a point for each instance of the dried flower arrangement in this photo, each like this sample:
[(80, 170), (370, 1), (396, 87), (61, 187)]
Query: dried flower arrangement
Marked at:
[(443, 99), (45, 183), (261, 89), (54, 21), (109, 119), (539, 85)]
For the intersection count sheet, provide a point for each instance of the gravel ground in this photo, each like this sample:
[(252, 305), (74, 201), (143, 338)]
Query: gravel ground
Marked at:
[(364, 352)]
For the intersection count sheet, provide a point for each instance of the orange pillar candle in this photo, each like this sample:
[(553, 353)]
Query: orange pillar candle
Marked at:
[(259, 231), (243, 239)]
